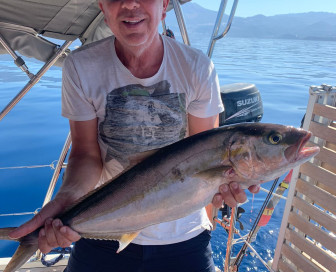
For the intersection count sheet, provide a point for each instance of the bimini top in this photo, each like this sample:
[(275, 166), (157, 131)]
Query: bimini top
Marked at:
[(24, 23)]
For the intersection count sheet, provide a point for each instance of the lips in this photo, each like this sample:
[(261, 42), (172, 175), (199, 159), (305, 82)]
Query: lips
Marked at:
[(132, 22), (299, 152), (302, 144)]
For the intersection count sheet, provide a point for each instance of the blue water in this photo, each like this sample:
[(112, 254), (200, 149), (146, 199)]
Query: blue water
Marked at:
[(34, 132)]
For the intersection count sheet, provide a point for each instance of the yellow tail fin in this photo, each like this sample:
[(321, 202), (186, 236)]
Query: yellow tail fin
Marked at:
[(21, 256), (28, 246)]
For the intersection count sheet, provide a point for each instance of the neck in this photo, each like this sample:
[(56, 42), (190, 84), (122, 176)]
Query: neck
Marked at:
[(140, 60)]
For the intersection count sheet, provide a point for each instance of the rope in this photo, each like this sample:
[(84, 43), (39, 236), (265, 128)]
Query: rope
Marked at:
[(23, 213), (61, 251), (267, 191), (52, 166), (256, 253)]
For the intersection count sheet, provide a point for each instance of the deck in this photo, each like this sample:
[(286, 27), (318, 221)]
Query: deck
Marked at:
[(36, 266)]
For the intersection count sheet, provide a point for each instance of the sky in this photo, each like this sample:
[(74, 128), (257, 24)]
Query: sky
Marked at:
[(248, 8)]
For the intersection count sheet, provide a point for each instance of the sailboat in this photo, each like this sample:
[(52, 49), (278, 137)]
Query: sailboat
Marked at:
[(46, 30)]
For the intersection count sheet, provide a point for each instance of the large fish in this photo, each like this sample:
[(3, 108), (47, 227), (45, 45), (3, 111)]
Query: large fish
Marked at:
[(178, 180)]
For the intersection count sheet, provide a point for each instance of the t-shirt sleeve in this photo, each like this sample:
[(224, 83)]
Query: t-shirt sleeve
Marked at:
[(75, 105), (206, 100)]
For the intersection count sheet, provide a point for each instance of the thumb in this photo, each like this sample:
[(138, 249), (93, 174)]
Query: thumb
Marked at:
[(50, 210)]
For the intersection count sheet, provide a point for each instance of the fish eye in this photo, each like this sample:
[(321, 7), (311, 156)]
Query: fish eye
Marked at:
[(275, 138)]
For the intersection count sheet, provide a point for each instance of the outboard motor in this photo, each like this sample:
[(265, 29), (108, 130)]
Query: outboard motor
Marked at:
[(242, 103)]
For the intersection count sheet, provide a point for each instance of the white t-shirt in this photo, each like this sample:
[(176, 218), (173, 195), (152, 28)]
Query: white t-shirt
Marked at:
[(137, 115)]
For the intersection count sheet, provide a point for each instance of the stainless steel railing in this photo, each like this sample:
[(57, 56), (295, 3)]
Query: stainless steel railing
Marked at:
[(215, 37), (34, 78)]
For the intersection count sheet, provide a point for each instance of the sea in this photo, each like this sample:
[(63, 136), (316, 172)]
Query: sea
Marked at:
[(33, 133)]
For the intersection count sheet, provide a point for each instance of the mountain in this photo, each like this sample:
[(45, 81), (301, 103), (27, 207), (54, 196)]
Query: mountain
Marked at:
[(303, 26)]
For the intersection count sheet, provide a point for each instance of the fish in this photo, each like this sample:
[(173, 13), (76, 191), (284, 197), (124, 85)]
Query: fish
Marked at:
[(177, 180)]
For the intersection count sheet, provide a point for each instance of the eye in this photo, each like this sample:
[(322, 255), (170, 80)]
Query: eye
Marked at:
[(275, 138)]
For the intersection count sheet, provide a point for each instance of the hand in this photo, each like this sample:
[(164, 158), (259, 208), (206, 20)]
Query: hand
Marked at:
[(54, 234), (232, 194)]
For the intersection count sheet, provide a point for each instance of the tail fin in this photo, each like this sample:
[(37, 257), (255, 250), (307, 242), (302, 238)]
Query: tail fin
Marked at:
[(21, 256), (28, 246)]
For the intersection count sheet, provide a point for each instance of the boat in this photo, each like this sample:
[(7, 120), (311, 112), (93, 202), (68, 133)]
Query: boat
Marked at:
[(45, 31)]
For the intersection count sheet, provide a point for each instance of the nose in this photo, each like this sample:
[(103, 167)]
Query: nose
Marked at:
[(130, 4)]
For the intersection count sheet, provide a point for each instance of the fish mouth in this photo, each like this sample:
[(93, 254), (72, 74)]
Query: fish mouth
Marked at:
[(300, 152)]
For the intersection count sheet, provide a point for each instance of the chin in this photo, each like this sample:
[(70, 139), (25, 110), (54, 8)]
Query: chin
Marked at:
[(137, 39), (137, 43)]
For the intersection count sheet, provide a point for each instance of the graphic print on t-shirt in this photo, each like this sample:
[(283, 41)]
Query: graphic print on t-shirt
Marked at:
[(140, 118)]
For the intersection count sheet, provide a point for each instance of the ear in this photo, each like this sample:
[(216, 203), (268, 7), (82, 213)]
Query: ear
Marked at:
[(164, 10), (101, 6)]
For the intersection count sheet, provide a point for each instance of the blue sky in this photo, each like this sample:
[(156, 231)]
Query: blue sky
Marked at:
[(248, 8)]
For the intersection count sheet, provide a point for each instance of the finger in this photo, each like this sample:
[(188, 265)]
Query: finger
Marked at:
[(61, 240), (27, 227), (70, 234), (51, 209), (50, 233), (43, 243), (238, 192), (217, 200), (254, 189), (227, 195), (64, 235)]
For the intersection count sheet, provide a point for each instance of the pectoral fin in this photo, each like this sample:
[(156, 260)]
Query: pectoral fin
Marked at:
[(125, 240), (216, 172)]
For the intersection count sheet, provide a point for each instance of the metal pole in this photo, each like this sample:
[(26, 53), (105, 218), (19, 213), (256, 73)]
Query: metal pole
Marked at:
[(58, 169), (53, 181), (229, 241), (17, 59), (228, 25), (180, 21), (219, 18), (35, 79), (221, 10)]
